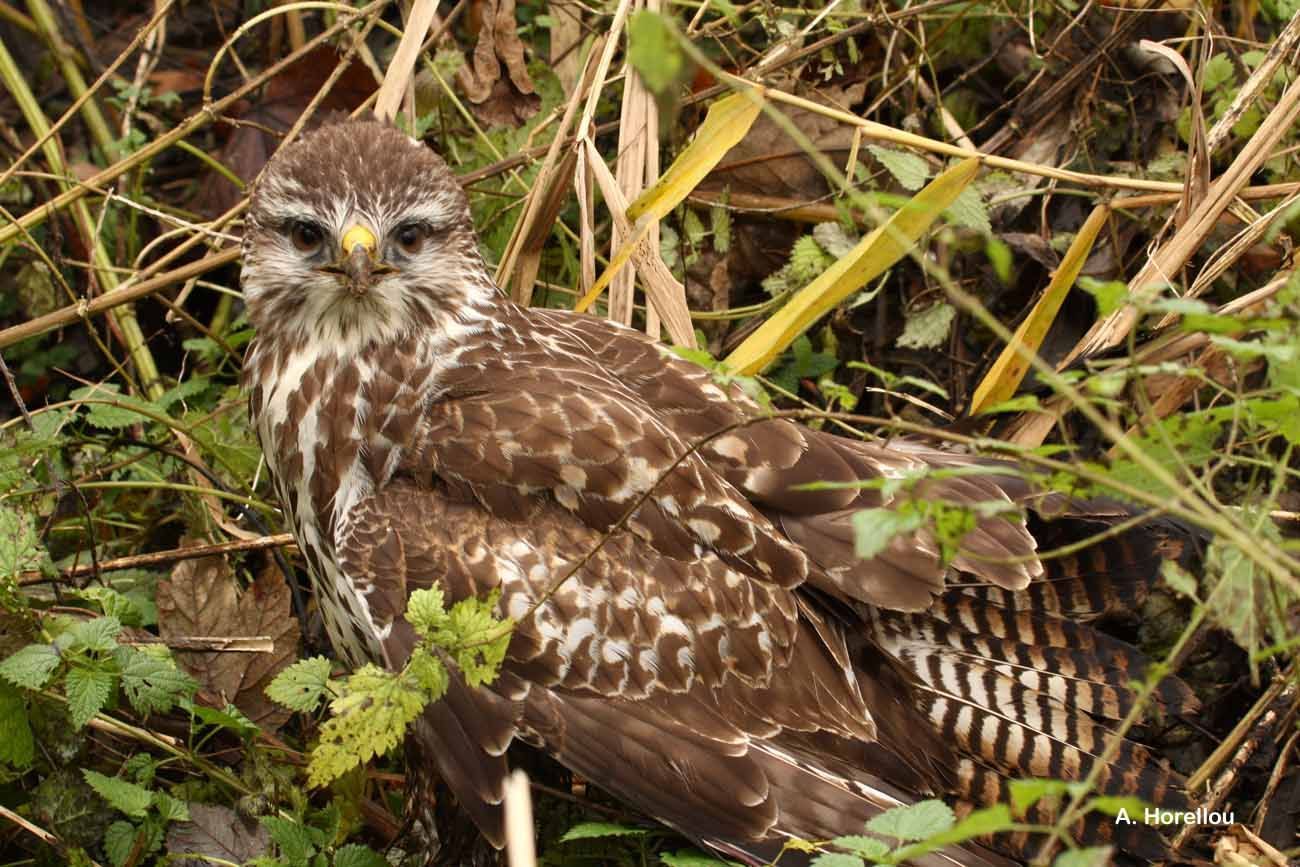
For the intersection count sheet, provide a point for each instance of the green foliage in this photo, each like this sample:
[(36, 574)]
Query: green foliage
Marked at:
[(927, 328), (801, 362), (372, 707), (654, 50)]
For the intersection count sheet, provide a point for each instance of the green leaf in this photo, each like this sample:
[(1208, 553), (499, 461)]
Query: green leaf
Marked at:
[(356, 855), (1216, 71), (870, 848), (837, 859), (426, 611), (152, 682), (915, 821), (1111, 805), (908, 169), (873, 529), (594, 830), (429, 672), (999, 256), (691, 858), (370, 718), (99, 634), (119, 841), (122, 795), (17, 748), (110, 409), (476, 638), (293, 840), (230, 717), (300, 686), (20, 547), (927, 328), (968, 210), (653, 50), (1110, 295), (1026, 793), (31, 666), (88, 688), (1093, 856), (171, 809), (1179, 579)]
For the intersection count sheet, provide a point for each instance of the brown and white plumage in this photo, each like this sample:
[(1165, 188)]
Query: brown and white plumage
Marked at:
[(723, 660)]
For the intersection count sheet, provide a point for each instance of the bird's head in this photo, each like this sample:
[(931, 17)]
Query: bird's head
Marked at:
[(356, 233)]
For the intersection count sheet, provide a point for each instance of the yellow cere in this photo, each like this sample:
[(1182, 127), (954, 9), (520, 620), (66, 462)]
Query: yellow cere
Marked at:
[(359, 235)]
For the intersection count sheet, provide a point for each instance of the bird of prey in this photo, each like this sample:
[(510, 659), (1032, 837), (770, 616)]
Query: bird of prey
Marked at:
[(722, 659)]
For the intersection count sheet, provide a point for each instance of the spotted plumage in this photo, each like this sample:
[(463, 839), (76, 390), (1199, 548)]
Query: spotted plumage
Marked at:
[(720, 657)]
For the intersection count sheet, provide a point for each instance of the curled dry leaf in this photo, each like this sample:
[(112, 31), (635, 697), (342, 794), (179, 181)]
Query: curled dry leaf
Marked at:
[(497, 99), (202, 598)]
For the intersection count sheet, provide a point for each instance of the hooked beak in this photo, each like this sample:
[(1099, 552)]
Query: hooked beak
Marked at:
[(359, 260)]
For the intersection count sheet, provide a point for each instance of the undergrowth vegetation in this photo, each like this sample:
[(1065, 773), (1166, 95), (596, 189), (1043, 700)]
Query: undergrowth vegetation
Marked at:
[(1105, 291)]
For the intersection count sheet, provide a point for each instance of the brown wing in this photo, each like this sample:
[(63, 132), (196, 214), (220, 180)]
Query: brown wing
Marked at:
[(708, 698)]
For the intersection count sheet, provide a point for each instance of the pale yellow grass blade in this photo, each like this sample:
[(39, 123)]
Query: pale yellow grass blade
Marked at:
[(727, 122), (875, 253), (1004, 377)]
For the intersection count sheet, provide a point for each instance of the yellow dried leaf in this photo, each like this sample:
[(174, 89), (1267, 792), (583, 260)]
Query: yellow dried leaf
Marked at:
[(1006, 374)]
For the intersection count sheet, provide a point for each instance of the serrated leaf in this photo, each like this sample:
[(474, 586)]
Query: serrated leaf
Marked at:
[(121, 794), (1093, 856), (928, 328), (875, 253), (356, 855), (88, 689), (20, 548), (301, 686), (171, 809), (1026, 793), (837, 859), (229, 717), (99, 634), (595, 830), (871, 848), (152, 683), (426, 611), (909, 169), (31, 666), (691, 858), (874, 529), (17, 747), (119, 841), (108, 408), (429, 673), (914, 821), (968, 210), (370, 718), (291, 837)]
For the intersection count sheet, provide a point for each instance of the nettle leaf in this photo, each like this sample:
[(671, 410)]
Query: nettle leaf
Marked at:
[(151, 680), (370, 718), (429, 673), (171, 809), (968, 210), (871, 848), (927, 328), (909, 169), (692, 858), (301, 686), (915, 821), (119, 841), (1110, 295), (477, 638), (108, 408), (88, 688), (17, 747), (874, 529), (20, 548), (1093, 856), (356, 855), (837, 859), (595, 830), (31, 666), (98, 635), (426, 611), (292, 838), (122, 795)]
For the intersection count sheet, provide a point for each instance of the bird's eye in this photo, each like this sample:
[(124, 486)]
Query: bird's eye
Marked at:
[(306, 237), (411, 237)]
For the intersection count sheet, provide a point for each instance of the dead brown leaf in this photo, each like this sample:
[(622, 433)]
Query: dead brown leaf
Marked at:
[(216, 832), (202, 598), (260, 125), (498, 100)]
